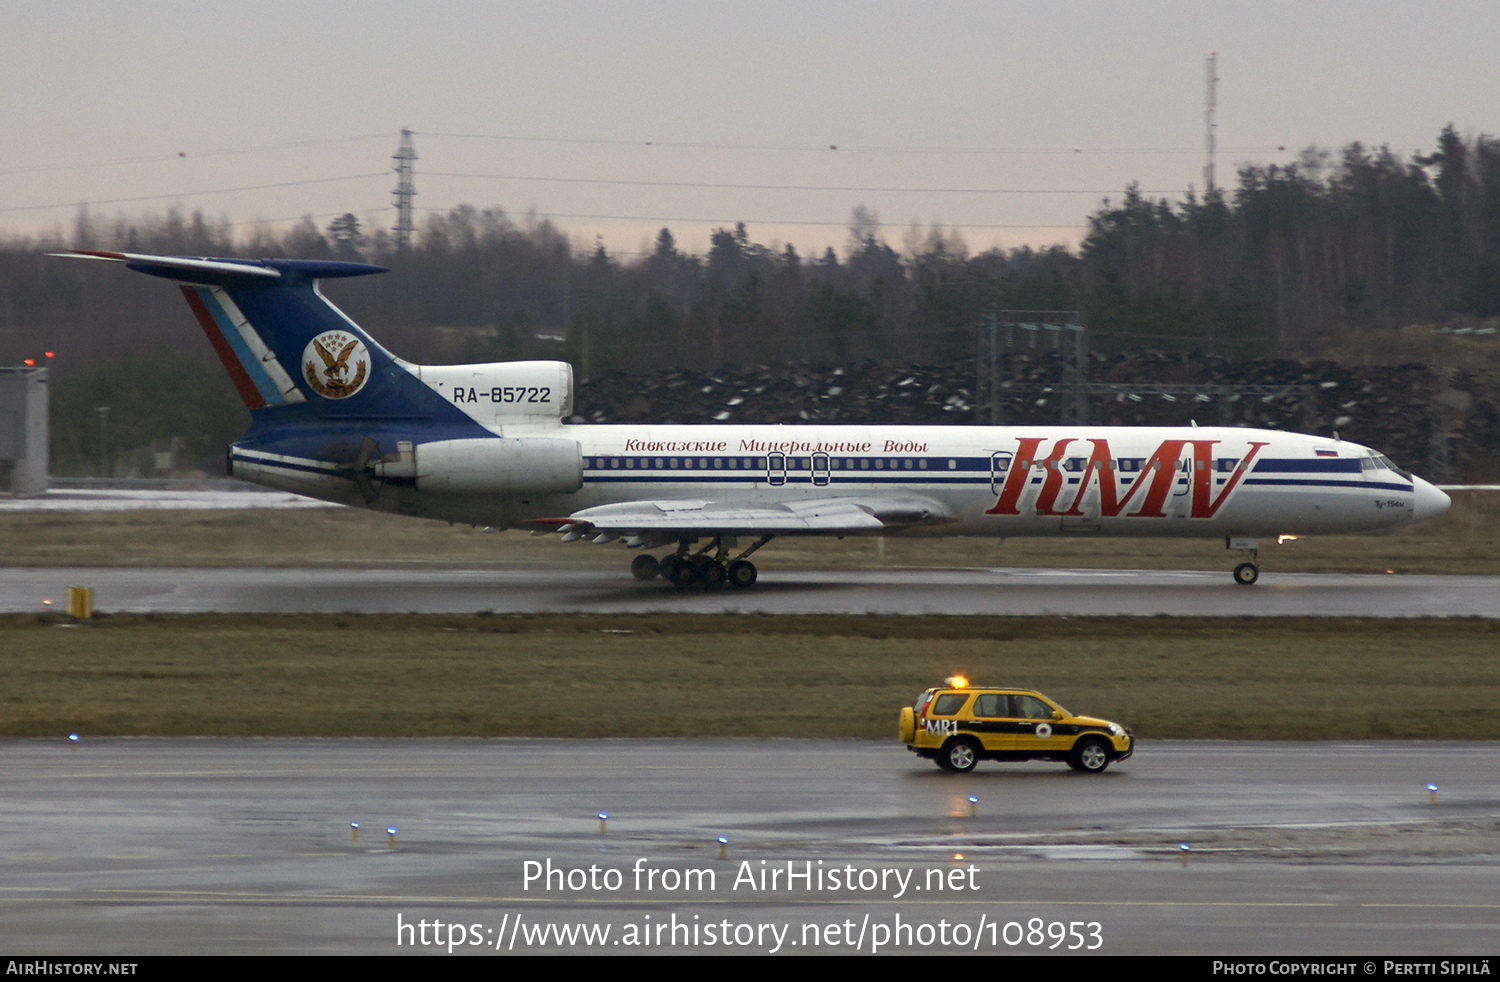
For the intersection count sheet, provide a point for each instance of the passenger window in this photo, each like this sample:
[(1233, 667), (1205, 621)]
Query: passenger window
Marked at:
[(949, 703), (991, 704)]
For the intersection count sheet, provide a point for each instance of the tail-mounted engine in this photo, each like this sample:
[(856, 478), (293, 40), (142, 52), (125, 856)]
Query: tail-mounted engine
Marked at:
[(523, 465)]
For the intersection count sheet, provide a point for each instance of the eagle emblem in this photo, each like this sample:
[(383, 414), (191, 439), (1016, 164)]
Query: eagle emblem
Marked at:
[(326, 364)]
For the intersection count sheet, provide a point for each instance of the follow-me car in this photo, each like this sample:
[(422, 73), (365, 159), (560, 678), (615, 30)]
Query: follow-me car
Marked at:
[(956, 725), (336, 416)]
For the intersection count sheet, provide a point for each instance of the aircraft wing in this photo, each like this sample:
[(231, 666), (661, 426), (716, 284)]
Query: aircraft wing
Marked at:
[(672, 519)]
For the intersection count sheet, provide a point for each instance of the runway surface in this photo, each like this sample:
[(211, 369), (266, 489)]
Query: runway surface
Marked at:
[(147, 846), (895, 591)]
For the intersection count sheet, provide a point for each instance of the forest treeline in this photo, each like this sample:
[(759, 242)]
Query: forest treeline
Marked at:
[(1354, 241)]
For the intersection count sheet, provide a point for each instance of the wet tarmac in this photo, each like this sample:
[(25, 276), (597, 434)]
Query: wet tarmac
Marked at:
[(896, 591), (151, 846)]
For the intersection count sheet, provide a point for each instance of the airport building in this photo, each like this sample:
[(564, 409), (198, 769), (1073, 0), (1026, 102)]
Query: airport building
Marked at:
[(23, 431)]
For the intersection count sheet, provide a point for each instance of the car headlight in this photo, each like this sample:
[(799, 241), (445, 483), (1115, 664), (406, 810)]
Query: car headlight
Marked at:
[(1117, 729)]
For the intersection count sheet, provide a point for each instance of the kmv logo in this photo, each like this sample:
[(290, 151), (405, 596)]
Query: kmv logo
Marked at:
[(1155, 474)]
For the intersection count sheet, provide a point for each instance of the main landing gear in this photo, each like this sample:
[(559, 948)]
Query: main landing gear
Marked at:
[(684, 570)]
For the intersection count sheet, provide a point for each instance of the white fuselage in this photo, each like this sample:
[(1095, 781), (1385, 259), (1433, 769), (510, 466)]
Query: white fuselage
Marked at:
[(1209, 482)]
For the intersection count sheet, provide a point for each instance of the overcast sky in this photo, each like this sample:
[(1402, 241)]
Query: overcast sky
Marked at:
[(1007, 120)]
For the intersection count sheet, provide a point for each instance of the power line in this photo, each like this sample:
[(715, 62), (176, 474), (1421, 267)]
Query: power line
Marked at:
[(839, 148), (750, 221), (193, 155), (791, 187), (188, 194)]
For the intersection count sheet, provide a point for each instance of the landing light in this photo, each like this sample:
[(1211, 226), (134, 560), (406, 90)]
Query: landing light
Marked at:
[(1285, 538)]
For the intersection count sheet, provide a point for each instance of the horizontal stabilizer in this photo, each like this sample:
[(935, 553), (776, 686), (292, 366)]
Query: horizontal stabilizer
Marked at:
[(194, 269)]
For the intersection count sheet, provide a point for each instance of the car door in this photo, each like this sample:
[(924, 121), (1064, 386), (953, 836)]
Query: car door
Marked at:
[(993, 722), (1033, 726)]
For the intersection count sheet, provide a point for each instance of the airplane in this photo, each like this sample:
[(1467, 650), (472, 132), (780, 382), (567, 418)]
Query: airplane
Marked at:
[(335, 416)]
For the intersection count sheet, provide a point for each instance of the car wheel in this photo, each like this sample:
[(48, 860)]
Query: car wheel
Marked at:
[(960, 756), (1090, 756)]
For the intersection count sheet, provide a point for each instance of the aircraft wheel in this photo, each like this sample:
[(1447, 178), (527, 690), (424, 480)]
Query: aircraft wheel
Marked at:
[(742, 574), (645, 568), (682, 574), (668, 564), (960, 756), (711, 574), (1090, 756), (1245, 574)]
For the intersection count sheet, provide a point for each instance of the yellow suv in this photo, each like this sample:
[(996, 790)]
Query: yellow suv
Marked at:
[(958, 725)]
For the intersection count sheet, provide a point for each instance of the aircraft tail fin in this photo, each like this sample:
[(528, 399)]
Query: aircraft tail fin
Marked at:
[(276, 334)]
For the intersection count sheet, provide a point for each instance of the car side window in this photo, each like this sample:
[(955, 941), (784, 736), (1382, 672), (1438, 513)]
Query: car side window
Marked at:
[(1030, 707), (949, 703), (992, 704)]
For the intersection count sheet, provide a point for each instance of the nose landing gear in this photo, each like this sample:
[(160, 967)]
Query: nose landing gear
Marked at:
[(1246, 573)]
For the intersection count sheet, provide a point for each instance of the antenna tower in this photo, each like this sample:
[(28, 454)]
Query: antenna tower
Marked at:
[(1210, 103), (405, 158)]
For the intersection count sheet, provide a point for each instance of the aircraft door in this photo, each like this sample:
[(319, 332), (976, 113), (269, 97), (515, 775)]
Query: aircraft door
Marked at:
[(776, 469), (999, 467), (820, 469)]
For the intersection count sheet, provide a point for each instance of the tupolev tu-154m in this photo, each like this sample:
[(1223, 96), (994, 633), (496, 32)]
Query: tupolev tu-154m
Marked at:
[(335, 416)]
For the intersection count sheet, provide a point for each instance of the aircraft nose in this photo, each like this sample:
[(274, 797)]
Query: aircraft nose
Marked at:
[(1428, 501)]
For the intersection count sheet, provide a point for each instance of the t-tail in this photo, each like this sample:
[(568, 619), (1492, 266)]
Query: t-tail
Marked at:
[(333, 412)]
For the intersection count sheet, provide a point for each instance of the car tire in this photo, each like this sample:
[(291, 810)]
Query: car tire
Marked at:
[(1090, 755), (960, 756)]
